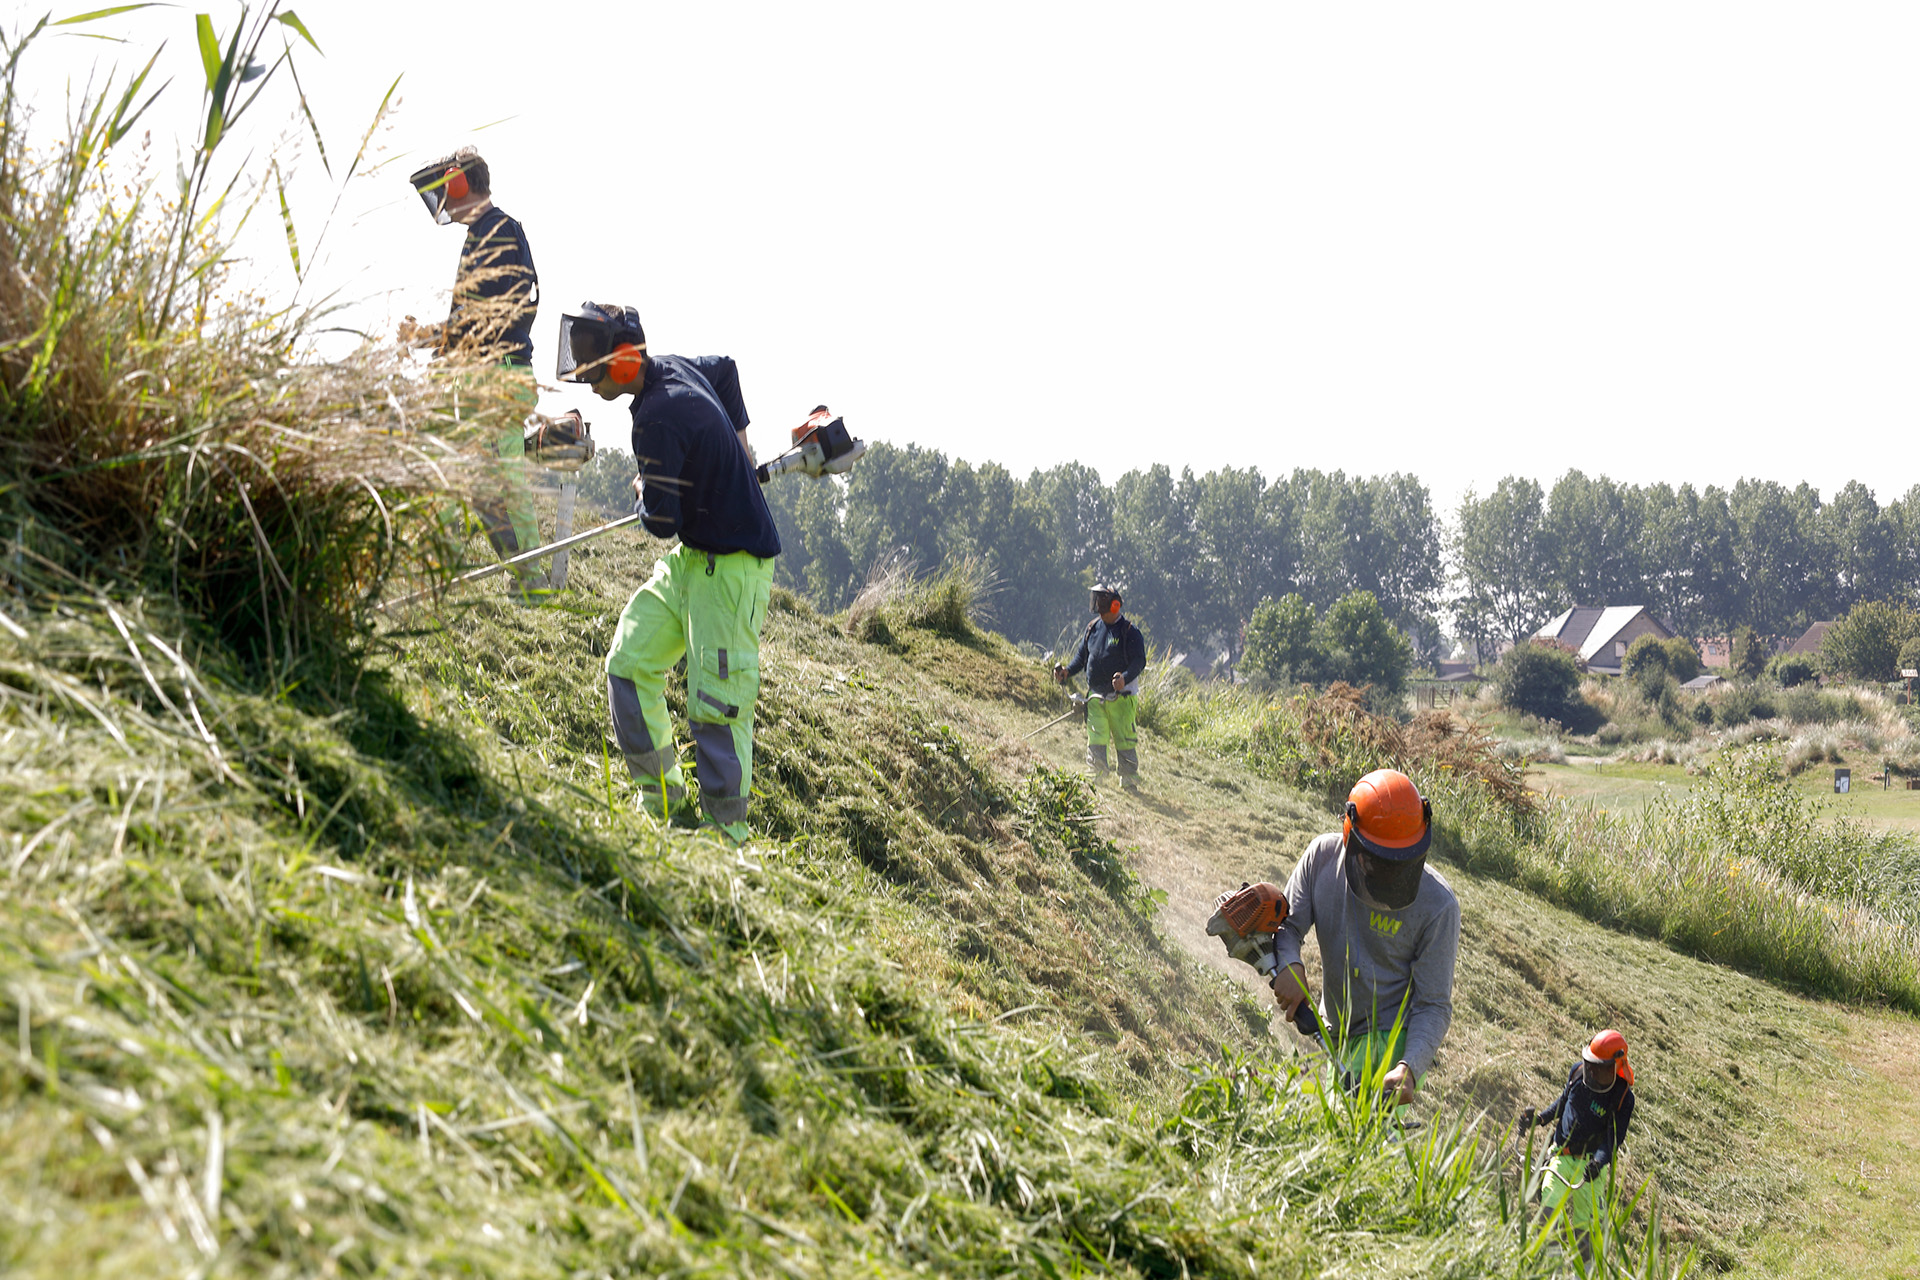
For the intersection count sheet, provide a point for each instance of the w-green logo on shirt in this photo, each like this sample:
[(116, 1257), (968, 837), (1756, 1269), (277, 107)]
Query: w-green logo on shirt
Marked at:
[(1385, 924)]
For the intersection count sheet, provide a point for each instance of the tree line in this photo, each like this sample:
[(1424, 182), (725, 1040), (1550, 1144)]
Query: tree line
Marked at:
[(1757, 555), (1195, 555)]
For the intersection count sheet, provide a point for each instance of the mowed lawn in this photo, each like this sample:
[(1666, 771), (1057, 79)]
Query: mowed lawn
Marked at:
[(1629, 788)]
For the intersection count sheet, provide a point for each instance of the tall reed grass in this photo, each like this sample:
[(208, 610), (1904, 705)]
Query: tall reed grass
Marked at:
[(159, 429)]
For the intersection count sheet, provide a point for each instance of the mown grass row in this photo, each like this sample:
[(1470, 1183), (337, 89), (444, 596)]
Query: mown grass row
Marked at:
[(1743, 869), (387, 994)]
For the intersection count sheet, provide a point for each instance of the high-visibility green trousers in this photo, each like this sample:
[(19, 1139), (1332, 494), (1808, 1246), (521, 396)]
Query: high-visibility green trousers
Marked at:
[(1110, 719), (708, 608), (1565, 1183), (507, 512)]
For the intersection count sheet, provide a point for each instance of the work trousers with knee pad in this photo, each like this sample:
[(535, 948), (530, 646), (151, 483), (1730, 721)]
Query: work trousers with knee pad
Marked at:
[(708, 608), (1110, 720)]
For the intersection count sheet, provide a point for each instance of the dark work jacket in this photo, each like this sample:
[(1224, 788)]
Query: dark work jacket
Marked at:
[(496, 293), (1104, 650), (696, 481), (1588, 1123)]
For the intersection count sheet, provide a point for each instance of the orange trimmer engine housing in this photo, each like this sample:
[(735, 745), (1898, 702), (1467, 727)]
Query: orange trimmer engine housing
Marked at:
[(1245, 919)]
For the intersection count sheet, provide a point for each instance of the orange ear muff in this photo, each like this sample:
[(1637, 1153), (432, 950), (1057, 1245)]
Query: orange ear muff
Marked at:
[(623, 366), (457, 188)]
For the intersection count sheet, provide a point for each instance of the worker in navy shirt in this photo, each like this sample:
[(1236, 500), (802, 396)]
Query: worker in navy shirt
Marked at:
[(1589, 1119), (707, 598), (496, 294), (1113, 654)]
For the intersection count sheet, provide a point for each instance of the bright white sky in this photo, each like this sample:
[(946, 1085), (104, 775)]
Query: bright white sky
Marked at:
[(1652, 240)]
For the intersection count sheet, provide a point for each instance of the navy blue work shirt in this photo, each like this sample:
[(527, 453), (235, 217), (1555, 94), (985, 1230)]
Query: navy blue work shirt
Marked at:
[(496, 292), (696, 481), (1588, 1123), (1105, 650)]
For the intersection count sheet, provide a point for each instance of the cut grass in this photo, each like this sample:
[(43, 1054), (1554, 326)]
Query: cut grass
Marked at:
[(418, 992)]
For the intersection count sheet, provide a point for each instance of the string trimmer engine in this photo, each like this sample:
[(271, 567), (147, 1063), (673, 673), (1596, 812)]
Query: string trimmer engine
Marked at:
[(1246, 919), (822, 447), (564, 443)]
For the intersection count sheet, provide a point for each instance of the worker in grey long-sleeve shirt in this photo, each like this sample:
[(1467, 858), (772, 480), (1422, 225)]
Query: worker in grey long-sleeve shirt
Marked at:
[(1389, 930)]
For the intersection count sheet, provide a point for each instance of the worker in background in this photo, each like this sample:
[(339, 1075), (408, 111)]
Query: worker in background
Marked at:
[(1389, 931), (496, 293), (707, 598), (1113, 653), (1589, 1119)]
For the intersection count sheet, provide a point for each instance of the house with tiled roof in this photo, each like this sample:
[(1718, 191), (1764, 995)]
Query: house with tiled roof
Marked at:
[(1601, 635)]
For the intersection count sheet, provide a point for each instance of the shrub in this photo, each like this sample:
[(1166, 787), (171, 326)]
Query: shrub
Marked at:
[(1544, 681), (1280, 641), (1354, 643), (1648, 653), (1868, 642), (1749, 654), (1790, 669), (1741, 704), (1683, 660), (1910, 655)]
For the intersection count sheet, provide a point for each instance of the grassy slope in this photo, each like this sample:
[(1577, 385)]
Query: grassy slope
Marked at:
[(411, 995), (1758, 1106), (414, 967)]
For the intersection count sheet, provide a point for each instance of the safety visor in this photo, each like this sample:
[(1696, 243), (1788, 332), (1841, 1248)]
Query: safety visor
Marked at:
[(585, 344), (1588, 1055), (430, 184), (1404, 850), (1101, 601)]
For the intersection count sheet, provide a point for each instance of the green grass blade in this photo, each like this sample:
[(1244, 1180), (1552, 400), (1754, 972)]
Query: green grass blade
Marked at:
[(288, 18), (97, 14)]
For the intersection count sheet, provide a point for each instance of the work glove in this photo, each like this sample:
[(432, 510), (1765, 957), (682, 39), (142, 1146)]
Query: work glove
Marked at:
[(1059, 675), (1527, 1119), (1595, 1165)]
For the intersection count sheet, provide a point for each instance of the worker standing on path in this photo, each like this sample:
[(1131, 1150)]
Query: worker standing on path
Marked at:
[(1114, 654), (707, 598), (1389, 931), (496, 294), (1589, 1119)]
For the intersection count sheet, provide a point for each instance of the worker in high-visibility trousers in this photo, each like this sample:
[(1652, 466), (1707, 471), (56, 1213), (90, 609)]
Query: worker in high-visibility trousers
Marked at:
[(1589, 1119), (1114, 654), (489, 327), (707, 598)]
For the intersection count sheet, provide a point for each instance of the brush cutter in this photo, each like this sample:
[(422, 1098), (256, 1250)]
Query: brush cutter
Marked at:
[(1079, 708), (1248, 921), (822, 447)]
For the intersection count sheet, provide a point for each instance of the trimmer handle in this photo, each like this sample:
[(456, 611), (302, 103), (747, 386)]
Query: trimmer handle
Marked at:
[(1306, 1020)]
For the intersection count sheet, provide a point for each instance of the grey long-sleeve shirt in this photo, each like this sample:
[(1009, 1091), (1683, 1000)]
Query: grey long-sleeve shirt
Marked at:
[(1374, 957)]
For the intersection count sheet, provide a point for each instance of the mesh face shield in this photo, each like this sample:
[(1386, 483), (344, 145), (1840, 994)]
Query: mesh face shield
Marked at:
[(585, 342), (430, 184), (588, 338)]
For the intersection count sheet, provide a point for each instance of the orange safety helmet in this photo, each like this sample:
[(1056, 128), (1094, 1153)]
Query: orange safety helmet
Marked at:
[(1609, 1047), (1387, 817)]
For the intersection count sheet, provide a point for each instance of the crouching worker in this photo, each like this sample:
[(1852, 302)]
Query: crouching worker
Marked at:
[(1389, 931), (1114, 654), (707, 598), (1589, 1119)]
